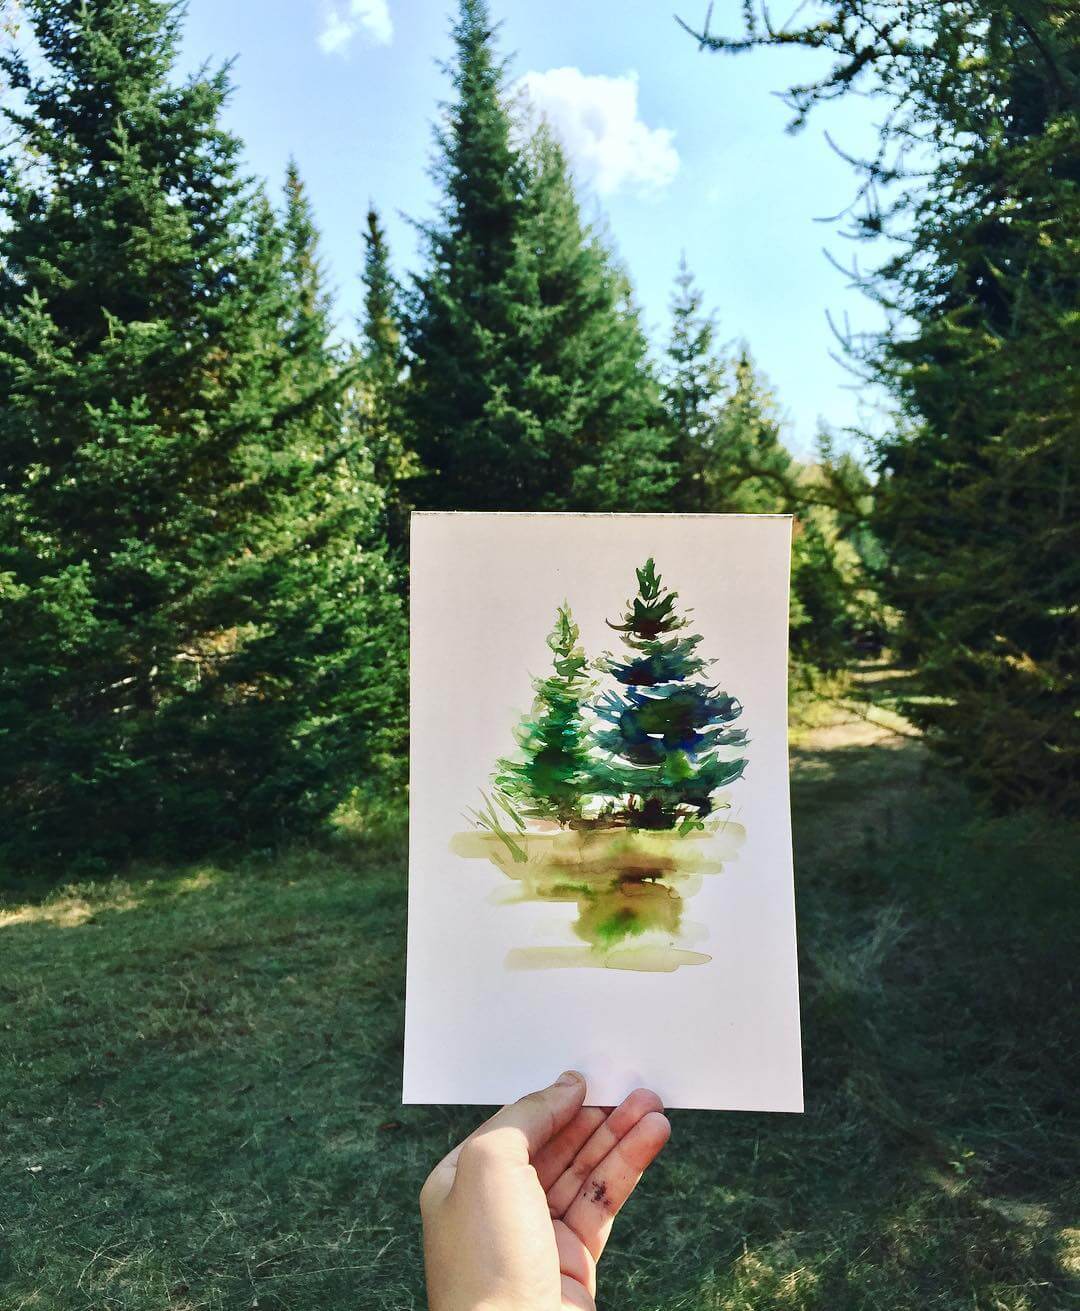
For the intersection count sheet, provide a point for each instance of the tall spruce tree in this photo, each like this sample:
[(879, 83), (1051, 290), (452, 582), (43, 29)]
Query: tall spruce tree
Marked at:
[(724, 419), (751, 467), (194, 637), (477, 444), (378, 394), (976, 503), (529, 379), (591, 382)]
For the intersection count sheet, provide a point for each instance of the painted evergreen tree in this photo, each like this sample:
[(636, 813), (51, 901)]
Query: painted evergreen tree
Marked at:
[(668, 730), (554, 776), (194, 636)]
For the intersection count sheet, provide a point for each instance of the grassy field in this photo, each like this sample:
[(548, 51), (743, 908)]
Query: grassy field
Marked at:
[(200, 1067)]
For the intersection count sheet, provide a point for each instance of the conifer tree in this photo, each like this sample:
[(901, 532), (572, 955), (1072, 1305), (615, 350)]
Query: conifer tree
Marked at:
[(473, 438), (591, 381), (668, 729), (529, 379), (974, 186), (553, 777), (378, 395), (750, 466), (193, 636), (695, 384), (724, 420)]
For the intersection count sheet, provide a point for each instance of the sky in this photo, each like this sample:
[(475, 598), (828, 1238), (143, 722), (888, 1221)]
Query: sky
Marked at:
[(674, 149)]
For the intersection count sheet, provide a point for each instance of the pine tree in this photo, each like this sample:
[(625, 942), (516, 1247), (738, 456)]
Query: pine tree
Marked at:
[(669, 731), (529, 379), (591, 382), (750, 468), (976, 499), (724, 419), (194, 637), (553, 777), (378, 395), (476, 444)]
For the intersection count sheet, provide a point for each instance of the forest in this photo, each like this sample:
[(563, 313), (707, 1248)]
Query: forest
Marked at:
[(205, 490)]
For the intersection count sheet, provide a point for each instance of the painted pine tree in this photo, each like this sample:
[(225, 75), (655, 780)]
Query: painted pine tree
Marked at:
[(554, 775), (668, 730)]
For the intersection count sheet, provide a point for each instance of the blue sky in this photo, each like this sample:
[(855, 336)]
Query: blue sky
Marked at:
[(676, 148)]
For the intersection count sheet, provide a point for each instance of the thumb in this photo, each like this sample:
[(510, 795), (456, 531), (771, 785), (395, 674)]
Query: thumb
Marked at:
[(522, 1128)]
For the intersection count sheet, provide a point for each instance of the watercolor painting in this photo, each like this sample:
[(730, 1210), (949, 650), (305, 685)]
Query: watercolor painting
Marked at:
[(618, 797)]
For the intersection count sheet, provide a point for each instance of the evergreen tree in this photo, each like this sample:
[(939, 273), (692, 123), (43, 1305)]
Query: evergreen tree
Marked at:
[(668, 730), (751, 468), (476, 444), (553, 777), (724, 419), (194, 637), (529, 381), (976, 497), (694, 388), (591, 384), (378, 395)]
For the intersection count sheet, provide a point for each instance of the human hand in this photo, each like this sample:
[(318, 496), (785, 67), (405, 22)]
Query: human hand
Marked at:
[(516, 1217)]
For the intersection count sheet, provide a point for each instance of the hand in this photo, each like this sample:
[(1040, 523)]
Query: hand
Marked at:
[(516, 1217)]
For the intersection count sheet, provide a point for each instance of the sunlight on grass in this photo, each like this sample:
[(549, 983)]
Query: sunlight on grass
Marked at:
[(68, 911)]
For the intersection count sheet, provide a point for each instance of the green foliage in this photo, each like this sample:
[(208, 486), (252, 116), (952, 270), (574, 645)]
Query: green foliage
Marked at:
[(977, 183), (669, 734), (377, 398), (730, 457), (554, 775), (529, 381), (194, 627), (724, 420)]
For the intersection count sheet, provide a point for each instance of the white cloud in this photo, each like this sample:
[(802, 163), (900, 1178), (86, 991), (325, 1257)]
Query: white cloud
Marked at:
[(596, 119), (347, 19)]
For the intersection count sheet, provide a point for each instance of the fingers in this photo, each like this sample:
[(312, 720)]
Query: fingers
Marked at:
[(593, 1210), (553, 1158), (574, 1297), (575, 1259), (603, 1138)]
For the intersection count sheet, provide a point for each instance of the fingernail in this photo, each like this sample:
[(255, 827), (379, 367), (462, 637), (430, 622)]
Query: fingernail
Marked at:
[(569, 1076)]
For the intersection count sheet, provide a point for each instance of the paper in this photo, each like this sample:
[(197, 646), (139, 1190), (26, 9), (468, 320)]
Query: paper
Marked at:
[(600, 871)]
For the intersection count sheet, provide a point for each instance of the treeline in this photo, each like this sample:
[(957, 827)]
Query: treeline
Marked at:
[(204, 506), (204, 495)]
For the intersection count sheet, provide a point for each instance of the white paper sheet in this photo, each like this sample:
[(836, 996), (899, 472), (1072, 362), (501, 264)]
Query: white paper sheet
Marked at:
[(506, 989)]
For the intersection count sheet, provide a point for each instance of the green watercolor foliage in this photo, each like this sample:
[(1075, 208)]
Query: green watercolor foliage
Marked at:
[(667, 730), (651, 755), (554, 774)]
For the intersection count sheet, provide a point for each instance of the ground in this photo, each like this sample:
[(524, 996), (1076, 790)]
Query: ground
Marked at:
[(199, 1079)]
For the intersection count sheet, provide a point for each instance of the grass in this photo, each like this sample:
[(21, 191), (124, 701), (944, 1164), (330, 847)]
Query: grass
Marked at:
[(199, 1081)]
